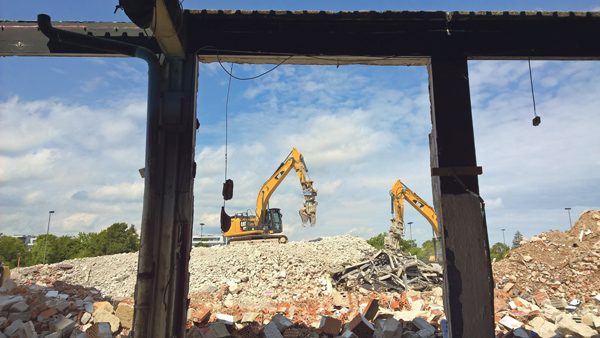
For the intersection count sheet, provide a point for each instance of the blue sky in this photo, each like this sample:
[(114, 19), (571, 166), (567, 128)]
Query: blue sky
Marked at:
[(72, 134)]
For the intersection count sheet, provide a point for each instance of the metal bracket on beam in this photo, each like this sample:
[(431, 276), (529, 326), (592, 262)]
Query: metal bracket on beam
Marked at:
[(458, 171)]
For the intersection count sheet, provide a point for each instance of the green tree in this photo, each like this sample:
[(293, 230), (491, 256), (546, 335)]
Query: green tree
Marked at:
[(10, 248), (66, 247), (118, 238), (427, 250), (498, 251), (90, 246), (516, 242), (38, 249), (377, 241)]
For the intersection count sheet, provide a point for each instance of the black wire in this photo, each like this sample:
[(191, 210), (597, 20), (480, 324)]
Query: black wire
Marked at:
[(531, 80), (254, 77)]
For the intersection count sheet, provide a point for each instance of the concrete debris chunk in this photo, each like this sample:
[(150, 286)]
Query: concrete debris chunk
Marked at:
[(567, 326), (391, 328), (219, 329), (510, 323), (271, 331), (19, 307), (426, 330), (281, 322), (63, 325), (330, 326), (125, 314), (6, 302), (225, 319), (348, 334), (193, 332), (102, 316), (29, 330), (249, 317), (13, 328)]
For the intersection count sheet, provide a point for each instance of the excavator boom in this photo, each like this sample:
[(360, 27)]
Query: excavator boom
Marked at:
[(400, 193)]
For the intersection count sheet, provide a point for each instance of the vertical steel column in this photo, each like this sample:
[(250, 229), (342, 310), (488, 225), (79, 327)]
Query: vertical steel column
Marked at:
[(165, 244), (468, 280)]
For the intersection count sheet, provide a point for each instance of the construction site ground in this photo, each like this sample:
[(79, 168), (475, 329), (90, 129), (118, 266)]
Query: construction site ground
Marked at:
[(550, 285)]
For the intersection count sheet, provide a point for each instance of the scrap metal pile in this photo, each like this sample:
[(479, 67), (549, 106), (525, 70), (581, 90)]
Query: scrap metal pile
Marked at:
[(390, 271)]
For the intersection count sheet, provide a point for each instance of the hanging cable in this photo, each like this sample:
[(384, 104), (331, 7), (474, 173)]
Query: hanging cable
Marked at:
[(254, 77), (227, 121), (536, 120)]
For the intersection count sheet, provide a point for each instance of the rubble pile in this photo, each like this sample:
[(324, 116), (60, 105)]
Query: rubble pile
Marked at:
[(551, 283), (244, 287), (330, 287), (390, 271), (61, 310), (561, 264)]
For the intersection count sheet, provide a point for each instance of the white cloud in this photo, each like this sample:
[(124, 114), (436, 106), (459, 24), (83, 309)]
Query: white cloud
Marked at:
[(78, 222)]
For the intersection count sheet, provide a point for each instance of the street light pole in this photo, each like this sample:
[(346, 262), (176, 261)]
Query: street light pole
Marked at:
[(569, 211), (47, 234), (201, 228), (410, 225), (503, 239)]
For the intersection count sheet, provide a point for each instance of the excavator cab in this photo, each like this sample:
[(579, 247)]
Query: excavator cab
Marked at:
[(273, 222)]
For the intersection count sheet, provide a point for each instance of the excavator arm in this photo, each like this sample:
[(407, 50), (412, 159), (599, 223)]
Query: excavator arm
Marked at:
[(293, 160), (400, 193)]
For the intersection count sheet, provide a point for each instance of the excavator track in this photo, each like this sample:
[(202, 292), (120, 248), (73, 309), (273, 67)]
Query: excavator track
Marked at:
[(254, 239)]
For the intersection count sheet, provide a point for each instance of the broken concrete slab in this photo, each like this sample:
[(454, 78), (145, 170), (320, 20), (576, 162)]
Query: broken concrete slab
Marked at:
[(103, 316), (281, 322), (6, 302), (510, 323), (219, 329), (63, 325), (391, 328), (14, 327), (271, 331), (567, 326)]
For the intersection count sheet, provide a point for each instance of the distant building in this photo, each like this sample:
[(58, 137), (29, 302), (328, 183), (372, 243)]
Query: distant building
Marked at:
[(210, 240), (28, 240)]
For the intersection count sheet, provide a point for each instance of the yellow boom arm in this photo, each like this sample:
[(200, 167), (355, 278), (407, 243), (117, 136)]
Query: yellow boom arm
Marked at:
[(293, 160), (401, 192)]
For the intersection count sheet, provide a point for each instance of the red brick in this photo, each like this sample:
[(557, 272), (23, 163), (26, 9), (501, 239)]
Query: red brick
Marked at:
[(540, 297), (48, 313), (37, 310), (201, 314)]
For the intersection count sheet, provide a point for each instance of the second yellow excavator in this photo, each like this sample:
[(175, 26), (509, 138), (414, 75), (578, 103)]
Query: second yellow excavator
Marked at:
[(399, 193), (266, 225)]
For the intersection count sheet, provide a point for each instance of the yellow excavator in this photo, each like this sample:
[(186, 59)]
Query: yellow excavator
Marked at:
[(266, 225), (400, 193)]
